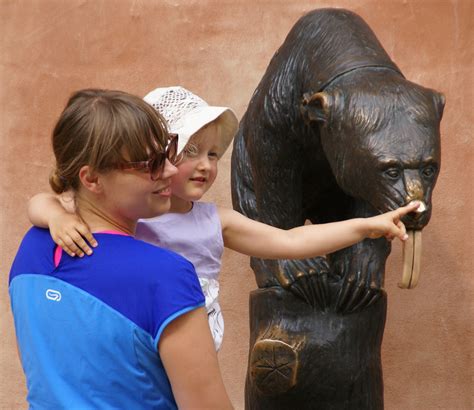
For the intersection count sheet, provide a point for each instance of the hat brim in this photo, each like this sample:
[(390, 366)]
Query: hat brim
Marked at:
[(200, 117)]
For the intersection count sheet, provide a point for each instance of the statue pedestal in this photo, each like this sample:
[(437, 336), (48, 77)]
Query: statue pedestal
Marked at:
[(303, 358)]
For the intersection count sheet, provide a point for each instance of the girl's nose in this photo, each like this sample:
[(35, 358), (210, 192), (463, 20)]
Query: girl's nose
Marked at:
[(204, 163), (169, 170)]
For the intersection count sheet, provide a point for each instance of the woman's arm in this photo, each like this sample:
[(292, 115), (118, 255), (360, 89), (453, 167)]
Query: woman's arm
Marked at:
[(257, 239), (68, 230), (188, 354)]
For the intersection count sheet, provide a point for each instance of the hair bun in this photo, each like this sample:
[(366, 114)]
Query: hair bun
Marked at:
[(57, 182)]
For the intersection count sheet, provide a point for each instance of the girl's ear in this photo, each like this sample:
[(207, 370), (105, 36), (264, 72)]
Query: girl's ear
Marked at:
[(316, 107), (90, 179)]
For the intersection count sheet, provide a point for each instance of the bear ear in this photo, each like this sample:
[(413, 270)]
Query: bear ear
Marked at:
[(316, 107), (439, 100)]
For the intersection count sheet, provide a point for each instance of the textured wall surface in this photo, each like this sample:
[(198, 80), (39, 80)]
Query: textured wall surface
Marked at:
[(220, 49)]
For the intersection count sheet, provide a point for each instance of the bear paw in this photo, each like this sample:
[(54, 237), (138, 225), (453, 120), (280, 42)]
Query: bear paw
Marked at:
[(361, 279), (307, 279)]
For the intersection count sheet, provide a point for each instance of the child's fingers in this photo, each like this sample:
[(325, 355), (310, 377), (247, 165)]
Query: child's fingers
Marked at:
[(412, 206), (395, 229), (389, 238), (71, 241), (403, 231), (391, 232), (64, 247), (391, 224), (80, 243), (86, 233)]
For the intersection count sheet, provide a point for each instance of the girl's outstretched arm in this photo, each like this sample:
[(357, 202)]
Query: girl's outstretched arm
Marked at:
[(257, 239), (68, 230)]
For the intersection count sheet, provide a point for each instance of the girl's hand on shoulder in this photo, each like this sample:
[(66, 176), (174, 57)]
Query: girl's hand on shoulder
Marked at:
[(389, 224), (72, 234)]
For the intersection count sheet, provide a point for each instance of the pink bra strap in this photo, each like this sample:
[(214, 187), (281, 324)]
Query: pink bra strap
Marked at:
[(58, 252)]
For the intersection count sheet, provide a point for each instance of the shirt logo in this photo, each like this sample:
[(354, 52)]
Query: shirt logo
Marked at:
[(54, 295)]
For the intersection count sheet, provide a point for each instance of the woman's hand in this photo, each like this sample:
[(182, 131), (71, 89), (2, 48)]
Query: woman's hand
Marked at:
[(72, 234)]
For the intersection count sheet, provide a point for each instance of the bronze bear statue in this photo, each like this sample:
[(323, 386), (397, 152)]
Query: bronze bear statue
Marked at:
[(333, 131)]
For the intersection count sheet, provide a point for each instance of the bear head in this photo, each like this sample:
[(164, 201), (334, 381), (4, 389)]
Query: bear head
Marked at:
[(380, 134)]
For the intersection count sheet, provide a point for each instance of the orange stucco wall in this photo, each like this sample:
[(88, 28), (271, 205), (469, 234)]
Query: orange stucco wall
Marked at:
[(220, 49)]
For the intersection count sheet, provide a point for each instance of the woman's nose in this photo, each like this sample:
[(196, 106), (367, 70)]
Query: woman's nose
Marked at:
[(169, 170)]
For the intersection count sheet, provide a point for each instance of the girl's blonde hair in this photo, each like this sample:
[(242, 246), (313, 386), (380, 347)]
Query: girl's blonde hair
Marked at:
[(96, 128)]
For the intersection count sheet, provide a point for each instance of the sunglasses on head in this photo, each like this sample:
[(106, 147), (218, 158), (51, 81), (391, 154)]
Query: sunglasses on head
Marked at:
[(156, 165)]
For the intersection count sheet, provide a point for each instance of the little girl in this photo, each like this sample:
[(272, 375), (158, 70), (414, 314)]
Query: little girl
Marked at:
[(199, 230)]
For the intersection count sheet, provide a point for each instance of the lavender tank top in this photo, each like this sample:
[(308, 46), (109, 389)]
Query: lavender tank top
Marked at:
[(196, 235)]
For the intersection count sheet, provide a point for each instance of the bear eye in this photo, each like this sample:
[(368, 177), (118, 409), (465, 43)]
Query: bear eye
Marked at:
[(428, 171), (393, 173)]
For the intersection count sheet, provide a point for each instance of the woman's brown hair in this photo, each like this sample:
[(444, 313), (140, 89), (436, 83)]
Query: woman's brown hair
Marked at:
[(97, 127)]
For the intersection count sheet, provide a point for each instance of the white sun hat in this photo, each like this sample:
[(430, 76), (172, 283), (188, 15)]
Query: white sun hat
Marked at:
[(186, 114)]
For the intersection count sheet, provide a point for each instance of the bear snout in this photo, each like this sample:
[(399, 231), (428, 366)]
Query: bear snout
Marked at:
[(418, 219)]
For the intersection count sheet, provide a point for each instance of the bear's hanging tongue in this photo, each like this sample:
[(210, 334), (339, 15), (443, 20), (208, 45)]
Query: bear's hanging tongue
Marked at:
[(412, 257), (358, 46), (411, 260)]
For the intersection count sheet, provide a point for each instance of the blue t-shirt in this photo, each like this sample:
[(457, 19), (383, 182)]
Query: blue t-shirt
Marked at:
[(88, 328)]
